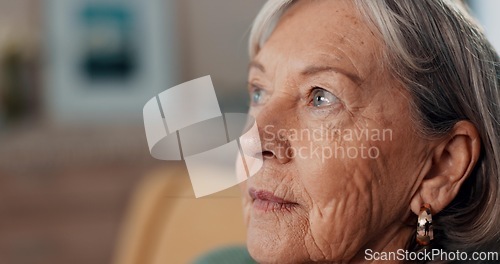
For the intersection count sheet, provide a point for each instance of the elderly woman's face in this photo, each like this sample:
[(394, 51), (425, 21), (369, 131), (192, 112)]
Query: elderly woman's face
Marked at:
[(340, 156)]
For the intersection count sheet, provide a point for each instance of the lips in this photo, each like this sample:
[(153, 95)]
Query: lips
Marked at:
[(267, 202)]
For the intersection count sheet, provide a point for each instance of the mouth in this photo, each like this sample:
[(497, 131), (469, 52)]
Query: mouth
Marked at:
[(266, 201)]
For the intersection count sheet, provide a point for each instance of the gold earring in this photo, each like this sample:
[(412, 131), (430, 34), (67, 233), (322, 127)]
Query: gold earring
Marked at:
[(424, 226)]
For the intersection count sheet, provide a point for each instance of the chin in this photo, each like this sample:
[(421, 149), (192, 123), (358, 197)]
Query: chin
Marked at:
[(276, 238), (267, 247)]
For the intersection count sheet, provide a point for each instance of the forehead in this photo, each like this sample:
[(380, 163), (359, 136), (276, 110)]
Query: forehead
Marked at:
[(322, 31)]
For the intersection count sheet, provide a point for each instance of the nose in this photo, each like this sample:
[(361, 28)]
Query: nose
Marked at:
[(273, 140), (275, 144)]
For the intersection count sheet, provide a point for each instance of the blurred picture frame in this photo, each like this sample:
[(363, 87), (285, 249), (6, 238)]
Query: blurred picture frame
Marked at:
[(109, 46), (106, 58)]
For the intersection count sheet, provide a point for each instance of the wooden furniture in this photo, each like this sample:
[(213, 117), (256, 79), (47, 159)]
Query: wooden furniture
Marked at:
[(166, 224)]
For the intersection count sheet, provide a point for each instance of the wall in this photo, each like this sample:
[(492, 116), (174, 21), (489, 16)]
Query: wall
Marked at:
[(215, 43), (487, 13)]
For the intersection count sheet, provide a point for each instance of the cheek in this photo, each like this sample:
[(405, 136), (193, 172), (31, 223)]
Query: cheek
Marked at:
[(340, 194), (347, 191)]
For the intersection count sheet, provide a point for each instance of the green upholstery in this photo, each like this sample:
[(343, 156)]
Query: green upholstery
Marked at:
[(226, 255)]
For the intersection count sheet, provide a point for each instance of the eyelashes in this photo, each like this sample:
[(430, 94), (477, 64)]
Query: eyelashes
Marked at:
[(258, 95), (321, 98), (316, 97)]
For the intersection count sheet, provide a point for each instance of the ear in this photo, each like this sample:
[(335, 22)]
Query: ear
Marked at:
[(452, 162)]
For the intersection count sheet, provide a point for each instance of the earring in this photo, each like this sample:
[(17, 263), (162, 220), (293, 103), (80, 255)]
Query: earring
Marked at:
[(424, 226)]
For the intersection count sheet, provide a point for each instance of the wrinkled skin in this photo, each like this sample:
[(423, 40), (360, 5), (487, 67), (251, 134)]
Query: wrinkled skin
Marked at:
[(344, 205)]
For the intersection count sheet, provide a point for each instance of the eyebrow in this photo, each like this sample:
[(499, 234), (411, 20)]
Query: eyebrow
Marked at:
[(255, 64), (313, 70)]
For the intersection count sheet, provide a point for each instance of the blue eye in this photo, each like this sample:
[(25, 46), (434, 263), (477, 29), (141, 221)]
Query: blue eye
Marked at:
[(257, 96), (322, 98)]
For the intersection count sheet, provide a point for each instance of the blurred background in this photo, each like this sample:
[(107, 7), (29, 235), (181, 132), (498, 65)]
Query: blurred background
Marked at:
[(74, 76)]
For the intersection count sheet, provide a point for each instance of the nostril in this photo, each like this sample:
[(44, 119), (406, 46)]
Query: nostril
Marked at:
[(267, 154)]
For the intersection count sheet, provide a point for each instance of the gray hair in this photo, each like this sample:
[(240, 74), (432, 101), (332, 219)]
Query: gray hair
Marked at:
[(441, 56)]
